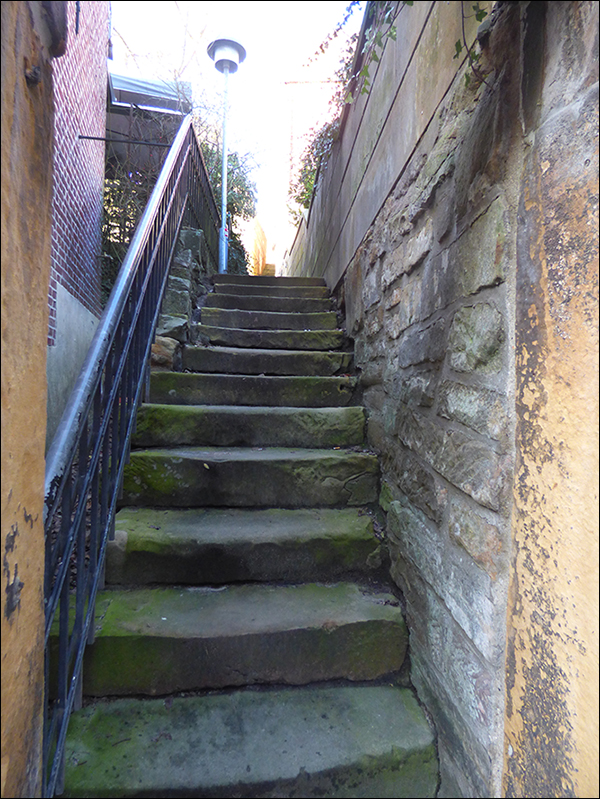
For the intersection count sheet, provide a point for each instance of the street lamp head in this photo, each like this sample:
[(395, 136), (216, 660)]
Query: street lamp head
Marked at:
[(226, 53)]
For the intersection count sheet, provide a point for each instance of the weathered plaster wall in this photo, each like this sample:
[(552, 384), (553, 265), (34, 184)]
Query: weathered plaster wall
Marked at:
[(552, 655), (27, 122), (457, 227)]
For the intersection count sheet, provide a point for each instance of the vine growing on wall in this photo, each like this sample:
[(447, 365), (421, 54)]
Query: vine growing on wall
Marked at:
[(353, 78), (480, 14)]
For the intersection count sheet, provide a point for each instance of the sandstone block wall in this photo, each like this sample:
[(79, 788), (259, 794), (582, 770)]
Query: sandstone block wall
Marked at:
[(428, 302), (187, 286), (464, 269)]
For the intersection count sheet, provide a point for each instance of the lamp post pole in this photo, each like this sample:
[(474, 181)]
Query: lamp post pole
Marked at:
[(227, 55), (223, 235)]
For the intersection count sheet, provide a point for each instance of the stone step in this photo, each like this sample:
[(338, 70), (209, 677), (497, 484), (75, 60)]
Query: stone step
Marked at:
[(260, 302), (360, 741), (234, 360), (268, 320), (274, 477), (163, 640), (188, 388), (298, 292), (256, 426), (274, 339), (263, 280), (214, 546)]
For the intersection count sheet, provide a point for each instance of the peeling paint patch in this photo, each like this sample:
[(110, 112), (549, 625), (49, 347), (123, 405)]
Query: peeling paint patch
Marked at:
[(14, 586)]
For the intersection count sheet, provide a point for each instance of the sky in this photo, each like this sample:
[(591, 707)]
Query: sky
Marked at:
[(275, 98)]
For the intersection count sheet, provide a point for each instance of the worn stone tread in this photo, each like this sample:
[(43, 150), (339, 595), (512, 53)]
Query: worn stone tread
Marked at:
[(274, 339), (359, 741), (260, 280), (250, 477), (160, 425), (162, 640), (194, 388), (233, 360), (216, 546), (268, 320), (307, 292), (283, 303)]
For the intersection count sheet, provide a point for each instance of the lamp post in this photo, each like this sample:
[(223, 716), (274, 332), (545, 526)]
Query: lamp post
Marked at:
[(227, 55)]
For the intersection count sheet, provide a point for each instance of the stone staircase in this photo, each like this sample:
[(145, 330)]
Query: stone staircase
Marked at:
[(245, 644)]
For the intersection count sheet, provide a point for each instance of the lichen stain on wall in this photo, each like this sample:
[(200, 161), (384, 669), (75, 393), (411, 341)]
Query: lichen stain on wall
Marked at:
[(552, 662)]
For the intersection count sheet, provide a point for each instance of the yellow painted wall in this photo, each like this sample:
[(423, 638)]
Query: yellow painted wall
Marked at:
[(551, 730), (27, 118)]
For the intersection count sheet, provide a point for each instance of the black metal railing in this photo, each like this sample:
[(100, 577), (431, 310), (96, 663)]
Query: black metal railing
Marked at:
[(85, 462)]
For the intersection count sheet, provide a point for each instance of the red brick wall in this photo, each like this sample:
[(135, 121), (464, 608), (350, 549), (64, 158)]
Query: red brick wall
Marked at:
[(80, 78)]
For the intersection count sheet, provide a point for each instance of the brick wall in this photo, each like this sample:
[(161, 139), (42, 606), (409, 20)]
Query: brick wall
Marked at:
[(80, 78)]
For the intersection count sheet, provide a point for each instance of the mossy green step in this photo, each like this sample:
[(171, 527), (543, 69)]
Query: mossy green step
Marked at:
[(275, 339), (268, 320), (217, 546), (260, 302), (359, 741), (233, 426), (274, 477), (157, 641), (187, 388), (234, 360)]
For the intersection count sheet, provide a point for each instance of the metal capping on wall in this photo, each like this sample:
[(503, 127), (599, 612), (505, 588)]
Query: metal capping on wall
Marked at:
[(84, 465)]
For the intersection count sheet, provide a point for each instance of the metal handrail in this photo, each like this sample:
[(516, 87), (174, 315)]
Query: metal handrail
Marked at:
[(85, 462)]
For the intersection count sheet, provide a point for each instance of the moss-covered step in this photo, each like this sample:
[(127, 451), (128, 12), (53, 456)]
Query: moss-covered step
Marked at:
[(275, 339), (217, 546), (233, 360), (234, 426), (268, 320), (359, 741), (274, 477), (163, 640), (260, 302), (186, 388)]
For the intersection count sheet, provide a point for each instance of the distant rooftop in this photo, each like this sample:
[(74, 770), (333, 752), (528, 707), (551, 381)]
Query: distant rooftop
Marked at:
[(149, 95)]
